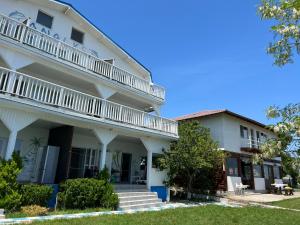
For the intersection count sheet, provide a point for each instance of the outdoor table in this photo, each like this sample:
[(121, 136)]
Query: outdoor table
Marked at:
[(279, 187)]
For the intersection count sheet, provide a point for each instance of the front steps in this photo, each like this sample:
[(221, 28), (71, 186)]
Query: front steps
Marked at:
[(137, 198)]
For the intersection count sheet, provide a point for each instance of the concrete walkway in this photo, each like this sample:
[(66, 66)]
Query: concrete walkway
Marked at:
[(261, 198)]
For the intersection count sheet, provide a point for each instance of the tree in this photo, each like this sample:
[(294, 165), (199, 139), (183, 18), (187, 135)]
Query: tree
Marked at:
[(286, 15), (194, 151), (287, 143)]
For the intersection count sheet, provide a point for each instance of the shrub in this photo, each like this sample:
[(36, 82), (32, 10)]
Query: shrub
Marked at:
[(104, 175), (33, 194), (34, 210), (86, 193), (10, 197)]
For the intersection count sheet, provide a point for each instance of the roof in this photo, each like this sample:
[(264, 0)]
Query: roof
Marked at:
[(216, 112), (102, 33)]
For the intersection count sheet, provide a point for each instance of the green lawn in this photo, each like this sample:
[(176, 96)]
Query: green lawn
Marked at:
[(199, 215), (289, 203)]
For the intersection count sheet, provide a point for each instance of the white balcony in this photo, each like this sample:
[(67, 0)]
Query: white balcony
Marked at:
[(61, 51), (250, 143), (27, 88)]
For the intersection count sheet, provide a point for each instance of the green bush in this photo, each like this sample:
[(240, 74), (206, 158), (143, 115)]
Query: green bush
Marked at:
[(86, 193), (104, 175), (33, 194), (10, 197)]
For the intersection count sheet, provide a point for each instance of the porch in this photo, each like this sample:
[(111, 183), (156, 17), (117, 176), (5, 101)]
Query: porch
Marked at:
[(53, 152)]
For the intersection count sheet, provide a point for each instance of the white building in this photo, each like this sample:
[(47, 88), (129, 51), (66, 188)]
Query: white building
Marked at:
[(240, 137), (83, 101)]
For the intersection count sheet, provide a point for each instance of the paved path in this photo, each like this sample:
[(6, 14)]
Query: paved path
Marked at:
[(261, 198)]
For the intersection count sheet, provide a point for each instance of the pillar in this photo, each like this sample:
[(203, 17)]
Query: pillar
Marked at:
[(149, 168), (15, 121), (11, 144), (105, 136)]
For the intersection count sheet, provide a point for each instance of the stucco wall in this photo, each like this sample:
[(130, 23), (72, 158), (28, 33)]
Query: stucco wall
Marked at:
[(231, 183), (62, 27), (259, 184)]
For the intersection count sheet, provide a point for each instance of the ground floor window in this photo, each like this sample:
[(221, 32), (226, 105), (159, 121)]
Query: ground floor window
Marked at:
[(257, 171), (232, 167), (84, 163), (276, 170)]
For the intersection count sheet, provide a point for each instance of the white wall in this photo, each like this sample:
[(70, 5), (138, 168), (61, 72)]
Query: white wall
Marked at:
[(259, 184), (158, 177), (231, 183), (62, 27), (215, 124)]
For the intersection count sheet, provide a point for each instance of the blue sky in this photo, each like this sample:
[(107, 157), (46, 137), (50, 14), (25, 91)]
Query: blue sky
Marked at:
[(207, 54)]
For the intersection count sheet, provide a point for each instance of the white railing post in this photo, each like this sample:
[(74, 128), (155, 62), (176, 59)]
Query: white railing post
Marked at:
[(111, 71), (24, 29), (58, 49), (11, 82), (120, 113), (61, 97)]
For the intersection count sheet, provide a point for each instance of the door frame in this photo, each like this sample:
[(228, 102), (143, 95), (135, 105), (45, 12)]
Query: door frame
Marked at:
[(129, 169)]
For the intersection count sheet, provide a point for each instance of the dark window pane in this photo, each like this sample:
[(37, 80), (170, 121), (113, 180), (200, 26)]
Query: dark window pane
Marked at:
[(257, 171), (44, 19), (232, 167), (77, 36)]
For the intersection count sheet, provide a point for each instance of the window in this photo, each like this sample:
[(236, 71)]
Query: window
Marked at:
[(257, 171), (276, 170), (244, 132), (44, 19), (77, 35), (232, 167)]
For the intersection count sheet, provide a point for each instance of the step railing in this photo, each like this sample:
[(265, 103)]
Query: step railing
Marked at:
[(23, 86), (64, 52)]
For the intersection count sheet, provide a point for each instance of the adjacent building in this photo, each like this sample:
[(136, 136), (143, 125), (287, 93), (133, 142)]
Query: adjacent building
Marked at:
[(240, 137), (72, 101)]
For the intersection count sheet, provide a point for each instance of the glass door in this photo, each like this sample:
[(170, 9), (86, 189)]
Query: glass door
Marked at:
[(269, 177)]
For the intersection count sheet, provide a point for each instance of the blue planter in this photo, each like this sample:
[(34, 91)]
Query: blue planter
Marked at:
[(162, 192)]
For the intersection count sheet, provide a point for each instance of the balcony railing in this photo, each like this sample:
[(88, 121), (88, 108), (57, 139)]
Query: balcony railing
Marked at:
[(251, 143), (23, 86), (64, 52)]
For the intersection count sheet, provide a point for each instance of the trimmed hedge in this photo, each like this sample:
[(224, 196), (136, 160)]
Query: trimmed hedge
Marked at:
[(33, 194), (86, 193)]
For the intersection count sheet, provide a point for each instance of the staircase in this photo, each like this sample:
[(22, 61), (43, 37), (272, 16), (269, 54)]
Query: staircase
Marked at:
[(132, 197)]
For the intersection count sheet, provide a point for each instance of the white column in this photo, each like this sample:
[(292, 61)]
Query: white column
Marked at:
[(103, 156), (105, 136), (149, 168), (11, 144), (15, 121)]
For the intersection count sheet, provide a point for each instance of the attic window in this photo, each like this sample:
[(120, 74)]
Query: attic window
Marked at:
[(77, 35), (44, 19)]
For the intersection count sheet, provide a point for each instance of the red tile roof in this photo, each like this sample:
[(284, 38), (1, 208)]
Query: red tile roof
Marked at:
[(214, 112)]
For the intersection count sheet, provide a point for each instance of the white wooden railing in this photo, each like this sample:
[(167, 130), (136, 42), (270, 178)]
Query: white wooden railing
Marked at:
[(23, 86), (64, 52)]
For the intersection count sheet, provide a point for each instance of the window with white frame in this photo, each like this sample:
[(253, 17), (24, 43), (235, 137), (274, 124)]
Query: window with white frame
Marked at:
[(244, 132)]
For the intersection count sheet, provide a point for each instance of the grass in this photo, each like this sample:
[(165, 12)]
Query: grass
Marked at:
[(59, 212), (206, 215), (289, 203)]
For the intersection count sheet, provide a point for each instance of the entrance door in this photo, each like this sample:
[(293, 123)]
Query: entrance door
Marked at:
[(126, 166), (269, 177), (247, 172)]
